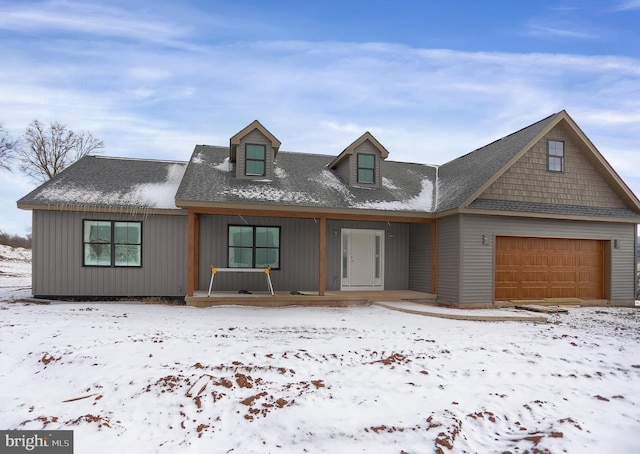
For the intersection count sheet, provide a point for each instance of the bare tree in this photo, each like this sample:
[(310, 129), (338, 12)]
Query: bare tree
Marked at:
[(48, 150), (7, 149)]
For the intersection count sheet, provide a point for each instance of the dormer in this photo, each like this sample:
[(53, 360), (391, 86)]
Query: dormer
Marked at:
[(360, 163), (253, 150)]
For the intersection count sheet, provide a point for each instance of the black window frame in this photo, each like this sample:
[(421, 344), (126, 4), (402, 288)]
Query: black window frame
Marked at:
[(247, 159), (553, 159), (111, 243), (253, 246), (361, 167)]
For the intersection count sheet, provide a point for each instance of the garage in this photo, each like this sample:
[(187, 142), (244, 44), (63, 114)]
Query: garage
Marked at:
[(534, 268)]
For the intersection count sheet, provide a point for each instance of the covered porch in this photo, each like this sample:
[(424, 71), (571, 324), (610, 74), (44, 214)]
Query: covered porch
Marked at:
[(312, 298), (311, 248)]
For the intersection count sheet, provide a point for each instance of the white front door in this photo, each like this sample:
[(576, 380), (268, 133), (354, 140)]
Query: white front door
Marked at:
[(362, 259)]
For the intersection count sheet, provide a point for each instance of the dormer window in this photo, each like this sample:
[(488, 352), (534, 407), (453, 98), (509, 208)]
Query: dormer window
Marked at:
[(255, 160), (254, 150), (555, 157), (360, 164), (366, 168)]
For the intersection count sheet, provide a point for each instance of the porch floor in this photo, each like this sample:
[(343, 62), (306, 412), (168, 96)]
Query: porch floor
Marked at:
[(285, 298)]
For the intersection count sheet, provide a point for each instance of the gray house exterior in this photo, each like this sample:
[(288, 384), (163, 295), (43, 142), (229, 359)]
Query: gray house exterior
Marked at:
[(538, 214)]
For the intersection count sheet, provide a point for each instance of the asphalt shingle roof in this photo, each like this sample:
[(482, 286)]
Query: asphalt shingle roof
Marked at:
[(303, 180), (300, 180), (462, 177), (103, 182)]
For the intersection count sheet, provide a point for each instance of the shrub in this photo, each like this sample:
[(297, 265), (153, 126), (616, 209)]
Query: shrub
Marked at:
[(15, 240)]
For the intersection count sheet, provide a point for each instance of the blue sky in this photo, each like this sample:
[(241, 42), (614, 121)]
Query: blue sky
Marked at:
[(430, 80)]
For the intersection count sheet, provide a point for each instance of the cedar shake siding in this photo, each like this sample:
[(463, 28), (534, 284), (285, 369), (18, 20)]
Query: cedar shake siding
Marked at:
[(528, 180)]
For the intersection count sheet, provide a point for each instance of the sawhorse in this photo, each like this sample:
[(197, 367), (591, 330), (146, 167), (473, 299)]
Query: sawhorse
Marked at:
[(266, 271)]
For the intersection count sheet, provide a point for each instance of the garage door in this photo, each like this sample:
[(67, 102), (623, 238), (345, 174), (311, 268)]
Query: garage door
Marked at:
[(532, 268)]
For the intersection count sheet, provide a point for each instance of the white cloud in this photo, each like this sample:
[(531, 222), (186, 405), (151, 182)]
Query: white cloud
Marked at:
[(423, 105), (629, 5), (87, 18), (560, 32)]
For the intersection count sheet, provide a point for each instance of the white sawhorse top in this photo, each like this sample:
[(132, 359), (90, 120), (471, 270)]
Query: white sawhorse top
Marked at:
[(266, 271)]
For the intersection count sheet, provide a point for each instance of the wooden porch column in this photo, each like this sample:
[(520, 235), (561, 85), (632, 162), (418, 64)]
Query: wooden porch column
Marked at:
[(322, 235), (434, 256), (193, 247)]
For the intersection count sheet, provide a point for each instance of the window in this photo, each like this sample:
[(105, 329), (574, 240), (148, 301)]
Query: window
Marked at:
[(556, 156), (254, 247), (255, 159), (112, 243), (366, 168)]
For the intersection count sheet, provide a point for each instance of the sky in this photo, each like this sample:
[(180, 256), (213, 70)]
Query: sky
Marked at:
[(430, 80)]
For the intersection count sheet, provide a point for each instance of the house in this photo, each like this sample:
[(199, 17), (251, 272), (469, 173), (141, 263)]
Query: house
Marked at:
[(536, 214)]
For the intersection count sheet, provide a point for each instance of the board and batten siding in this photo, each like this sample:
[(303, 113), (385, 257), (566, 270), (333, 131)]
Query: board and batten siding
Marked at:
[(420, 257), (58, 257), (477, 258), (448, 256), (396, 252), (298, 254)]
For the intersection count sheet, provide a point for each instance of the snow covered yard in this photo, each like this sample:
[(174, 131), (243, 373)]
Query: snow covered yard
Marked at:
[(155, 378)]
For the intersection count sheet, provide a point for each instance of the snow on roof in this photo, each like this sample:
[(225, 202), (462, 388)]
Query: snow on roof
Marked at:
[(113, 182), (303, 180), (422, 202), (224, 166)]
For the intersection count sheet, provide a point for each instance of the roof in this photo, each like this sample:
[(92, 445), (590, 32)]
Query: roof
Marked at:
[(303, 180), (96, 182), (460, 179)]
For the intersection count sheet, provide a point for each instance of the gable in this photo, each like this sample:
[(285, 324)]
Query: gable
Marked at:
[(348, 168), (253, 126), (581, 183)]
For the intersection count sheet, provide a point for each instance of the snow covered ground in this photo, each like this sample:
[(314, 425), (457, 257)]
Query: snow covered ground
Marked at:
[(155, 378)]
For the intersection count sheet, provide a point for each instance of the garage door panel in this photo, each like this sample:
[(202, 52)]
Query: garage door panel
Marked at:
[(527, 268)]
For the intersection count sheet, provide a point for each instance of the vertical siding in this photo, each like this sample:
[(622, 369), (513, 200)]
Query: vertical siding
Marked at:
[(298, 254), (254, 137), (478, 281), (396, 253), (448, 259), (420, 257), (57, 257)]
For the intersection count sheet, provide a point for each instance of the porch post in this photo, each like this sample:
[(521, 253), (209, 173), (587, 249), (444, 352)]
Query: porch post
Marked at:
[(193, 246), (322, 254)]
